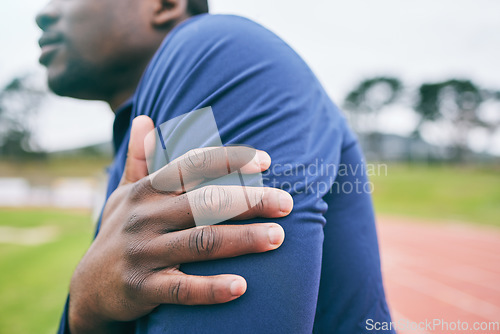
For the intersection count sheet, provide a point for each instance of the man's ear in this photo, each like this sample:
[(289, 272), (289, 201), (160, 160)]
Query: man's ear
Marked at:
[(167, 13)]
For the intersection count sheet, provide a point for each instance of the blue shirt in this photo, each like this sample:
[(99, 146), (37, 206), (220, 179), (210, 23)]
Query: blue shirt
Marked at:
[(325, 278)]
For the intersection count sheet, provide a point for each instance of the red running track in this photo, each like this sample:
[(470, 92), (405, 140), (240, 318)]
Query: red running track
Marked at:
[(438, 274)]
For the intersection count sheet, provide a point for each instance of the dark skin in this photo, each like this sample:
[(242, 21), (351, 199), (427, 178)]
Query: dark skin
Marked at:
[(98, 50)]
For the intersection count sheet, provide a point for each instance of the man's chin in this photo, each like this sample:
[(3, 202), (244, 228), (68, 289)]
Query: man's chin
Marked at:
[(57, 82), (57, 88), (77, 80), (67, 85)]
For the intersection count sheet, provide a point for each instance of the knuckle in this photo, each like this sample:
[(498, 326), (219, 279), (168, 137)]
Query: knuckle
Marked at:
[(204, 241), (212, 294), (248, 237), (198, 160), (259, 200), (213, 200), (140, 190), (133, 281), (174, 291), (136, 251), (135, 223)]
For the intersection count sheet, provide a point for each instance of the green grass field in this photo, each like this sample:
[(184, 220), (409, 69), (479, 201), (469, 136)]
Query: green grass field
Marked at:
[(44, 171), (447, 193), (34, 279)]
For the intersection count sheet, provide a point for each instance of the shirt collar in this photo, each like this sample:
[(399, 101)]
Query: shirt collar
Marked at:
[(121, 123)]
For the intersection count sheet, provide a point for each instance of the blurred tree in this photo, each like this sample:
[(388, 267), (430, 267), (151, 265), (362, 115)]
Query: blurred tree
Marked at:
[(454, 105), (368, 98), (364, 103), (20, 100)]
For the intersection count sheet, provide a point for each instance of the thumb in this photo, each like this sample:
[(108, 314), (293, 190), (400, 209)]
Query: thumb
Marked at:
[(136, 166)]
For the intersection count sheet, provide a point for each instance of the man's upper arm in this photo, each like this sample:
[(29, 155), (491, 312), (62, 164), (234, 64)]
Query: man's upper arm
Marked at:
[(263, 95)]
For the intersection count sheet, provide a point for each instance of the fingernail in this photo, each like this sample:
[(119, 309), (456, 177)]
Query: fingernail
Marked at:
[(263, 159), (238, 287), (276, 235), (285, 202)]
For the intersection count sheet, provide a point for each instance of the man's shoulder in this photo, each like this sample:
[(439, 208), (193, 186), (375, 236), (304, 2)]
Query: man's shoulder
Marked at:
[(218, 49), (209, 25), (222, 34), (240, 69)]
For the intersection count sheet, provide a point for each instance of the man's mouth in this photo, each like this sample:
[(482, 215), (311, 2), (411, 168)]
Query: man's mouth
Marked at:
[(49, 44)]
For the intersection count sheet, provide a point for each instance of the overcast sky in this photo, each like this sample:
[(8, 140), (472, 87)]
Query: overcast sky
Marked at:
[(343, 42)]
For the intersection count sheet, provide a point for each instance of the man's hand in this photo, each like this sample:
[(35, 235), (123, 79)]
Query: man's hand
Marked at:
[(146, 233)]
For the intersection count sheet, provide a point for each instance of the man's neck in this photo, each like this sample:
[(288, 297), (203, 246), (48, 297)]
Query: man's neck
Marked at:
[(119, 99), (134, 75), (125, 84)]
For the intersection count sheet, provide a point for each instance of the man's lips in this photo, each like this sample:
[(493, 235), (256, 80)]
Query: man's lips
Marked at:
[(49, 43)]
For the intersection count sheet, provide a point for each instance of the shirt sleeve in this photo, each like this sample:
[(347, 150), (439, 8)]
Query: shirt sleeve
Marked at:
[(63, 324), (351, 291), (262, 94)]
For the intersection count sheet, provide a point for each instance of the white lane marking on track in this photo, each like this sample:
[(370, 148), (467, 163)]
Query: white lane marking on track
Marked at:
[(448, 295), (466, 273)]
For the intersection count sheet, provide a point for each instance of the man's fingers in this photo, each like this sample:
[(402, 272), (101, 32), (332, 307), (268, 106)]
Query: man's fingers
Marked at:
[(214, 204), (199, 165), (136, 167), (215, 242), (267, 202), (174, 287), (208, 206)]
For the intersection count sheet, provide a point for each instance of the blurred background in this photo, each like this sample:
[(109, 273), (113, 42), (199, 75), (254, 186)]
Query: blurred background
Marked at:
[(419, 82)]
